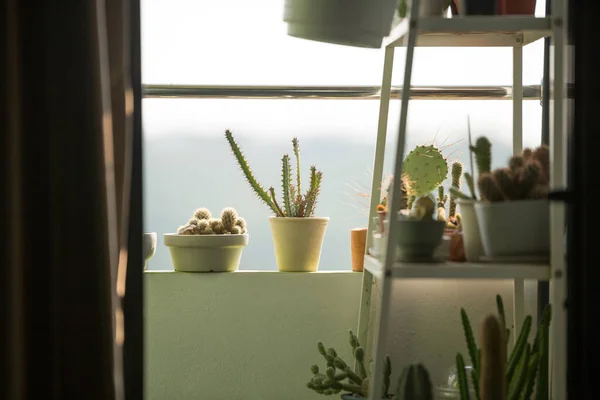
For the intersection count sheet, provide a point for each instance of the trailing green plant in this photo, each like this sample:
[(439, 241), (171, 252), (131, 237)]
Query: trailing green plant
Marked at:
[(339, 376), (414, 384), (202, 223), (526, 177), (294, 202), (526, 367)]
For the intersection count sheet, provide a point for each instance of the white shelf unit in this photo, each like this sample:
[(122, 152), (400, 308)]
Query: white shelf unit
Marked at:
[(479, 31)]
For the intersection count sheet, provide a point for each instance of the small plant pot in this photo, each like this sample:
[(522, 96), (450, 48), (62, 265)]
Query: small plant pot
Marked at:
[(514, 228), (358, 243), (457, 248), (362, 23), (298, 242), (516, 7), (205, 253), (470, 230), (148, 247), (418, 240), (477, 7)]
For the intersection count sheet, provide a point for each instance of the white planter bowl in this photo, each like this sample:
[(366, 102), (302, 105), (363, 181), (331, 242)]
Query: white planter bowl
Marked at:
[(470, 229), (514, 228), (148, 247), (298, 242), (362, 23), (205, 253)]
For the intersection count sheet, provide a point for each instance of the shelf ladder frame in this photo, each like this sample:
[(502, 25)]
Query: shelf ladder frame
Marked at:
[(379, 328)]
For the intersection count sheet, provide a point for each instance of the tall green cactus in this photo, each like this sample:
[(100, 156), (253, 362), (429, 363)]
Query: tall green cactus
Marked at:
[(526, 366), (457, 169), (414, 384), (295, 204), (339, 376)]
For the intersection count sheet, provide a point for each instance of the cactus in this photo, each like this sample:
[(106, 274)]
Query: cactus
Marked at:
[(414, 384), (457, 169), (423, 207), (483, 154), (525, 368), (492, 381), (340, 377), (295, 204), (442, 198), (525, 178), (229, 223), (426, 168)]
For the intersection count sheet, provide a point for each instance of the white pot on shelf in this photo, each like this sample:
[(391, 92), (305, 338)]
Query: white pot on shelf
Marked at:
[(148, 247), (298, 242), (514, 228), (470, 230), (205, 253), (362, 23)]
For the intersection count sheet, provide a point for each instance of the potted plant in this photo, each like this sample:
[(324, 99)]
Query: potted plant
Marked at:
[(471, 237), (514, 377), (148, 247), (362, 23), (339, 377), (514, 214), (208, 244), (297, 233)]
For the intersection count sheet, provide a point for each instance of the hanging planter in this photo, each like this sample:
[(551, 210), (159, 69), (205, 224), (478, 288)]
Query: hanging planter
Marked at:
[(208, 244), (297, 234), (361, 23)]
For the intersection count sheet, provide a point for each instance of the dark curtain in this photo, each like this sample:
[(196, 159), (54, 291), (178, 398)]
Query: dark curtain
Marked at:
[(65, 175)]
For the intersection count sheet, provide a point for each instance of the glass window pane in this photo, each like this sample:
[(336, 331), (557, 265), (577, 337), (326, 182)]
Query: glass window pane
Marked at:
[(237, 42), (187, 162)]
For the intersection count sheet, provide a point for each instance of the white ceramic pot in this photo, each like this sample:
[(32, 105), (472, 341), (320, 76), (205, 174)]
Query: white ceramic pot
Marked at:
[(148, 247), (205, 253), (514, 228), (362, 23), (298, 242), (470, 230)]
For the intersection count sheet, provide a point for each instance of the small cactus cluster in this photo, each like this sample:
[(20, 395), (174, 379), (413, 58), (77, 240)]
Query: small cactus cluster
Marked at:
[(414, 384), (295, 203), (496, 376), (203, 224), (339, 375), (526, 177)]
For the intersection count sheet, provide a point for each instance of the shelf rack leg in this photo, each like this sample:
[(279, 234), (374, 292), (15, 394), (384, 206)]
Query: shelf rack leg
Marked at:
[(517, 103), (376, 392), (517, 96), (558, 146), (384, 106)]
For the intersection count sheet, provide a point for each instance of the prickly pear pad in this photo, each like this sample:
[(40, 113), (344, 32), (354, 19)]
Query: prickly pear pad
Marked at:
[(426, 168)]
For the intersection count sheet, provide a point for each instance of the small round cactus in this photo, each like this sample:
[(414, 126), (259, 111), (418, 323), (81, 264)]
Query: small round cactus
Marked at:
[(203, 224), (202, 213)]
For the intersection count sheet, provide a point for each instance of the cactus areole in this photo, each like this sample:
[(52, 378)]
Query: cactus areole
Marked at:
[(426, 169)]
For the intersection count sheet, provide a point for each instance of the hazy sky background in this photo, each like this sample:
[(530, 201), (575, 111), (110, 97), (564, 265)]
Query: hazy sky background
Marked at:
[(236, 42)]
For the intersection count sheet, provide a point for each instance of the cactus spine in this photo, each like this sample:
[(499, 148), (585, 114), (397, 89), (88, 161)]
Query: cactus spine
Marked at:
[(339, 376), (202, 223), (526, 367), (295, 204), (414, 384)]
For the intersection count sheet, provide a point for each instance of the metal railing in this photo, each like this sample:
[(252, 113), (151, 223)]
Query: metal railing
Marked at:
[(531, 92)]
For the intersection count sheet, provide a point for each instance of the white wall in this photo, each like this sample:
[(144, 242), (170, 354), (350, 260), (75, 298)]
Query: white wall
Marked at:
[(253, 335)]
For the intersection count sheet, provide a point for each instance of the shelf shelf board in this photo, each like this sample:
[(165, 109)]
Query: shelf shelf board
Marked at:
[(453, 270), (475, 31)]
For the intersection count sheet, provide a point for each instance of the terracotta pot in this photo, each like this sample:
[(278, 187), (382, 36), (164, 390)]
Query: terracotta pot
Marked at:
[(457, 248), (358, 243), (516, 7)]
